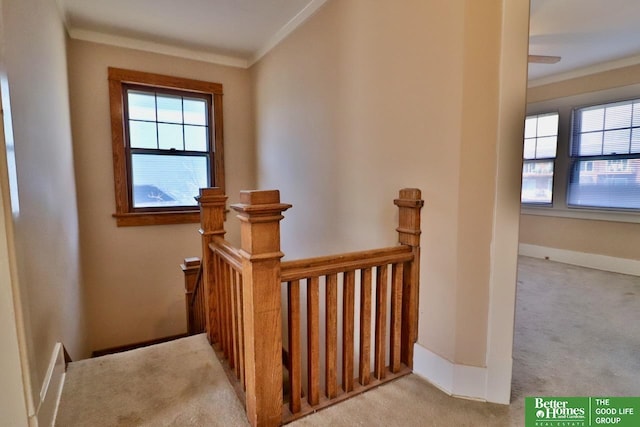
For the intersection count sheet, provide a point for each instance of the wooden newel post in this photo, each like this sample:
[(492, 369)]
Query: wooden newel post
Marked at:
[(190, 269), (260, 213), (410, 203), (212, 203)]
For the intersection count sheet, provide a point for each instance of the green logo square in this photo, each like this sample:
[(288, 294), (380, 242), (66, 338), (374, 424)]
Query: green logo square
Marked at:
[(582, 411)]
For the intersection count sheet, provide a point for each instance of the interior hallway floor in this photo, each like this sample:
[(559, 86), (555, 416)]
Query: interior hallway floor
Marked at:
[(577, 334)]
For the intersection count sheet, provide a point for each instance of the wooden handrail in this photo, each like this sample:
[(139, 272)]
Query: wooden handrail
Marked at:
[(320, 266), (227, 251)]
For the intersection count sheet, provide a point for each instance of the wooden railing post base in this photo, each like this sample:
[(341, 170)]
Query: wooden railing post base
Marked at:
[(190, 269)]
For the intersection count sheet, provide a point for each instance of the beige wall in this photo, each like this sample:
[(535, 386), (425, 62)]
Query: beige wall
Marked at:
[(369, 97), (615, 239), (131, 274), (46, 222), (610, 238), (13, 409)]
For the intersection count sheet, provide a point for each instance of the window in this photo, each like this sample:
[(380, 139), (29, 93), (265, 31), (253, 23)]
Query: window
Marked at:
[(167, 144), (540, 142), (605, 156)]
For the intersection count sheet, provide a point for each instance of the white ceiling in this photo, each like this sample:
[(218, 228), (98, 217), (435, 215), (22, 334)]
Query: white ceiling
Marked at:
[(583, 32), (234, 28)]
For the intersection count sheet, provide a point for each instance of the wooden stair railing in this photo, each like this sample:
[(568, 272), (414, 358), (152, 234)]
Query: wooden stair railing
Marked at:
[(242, 289), (386, 284)]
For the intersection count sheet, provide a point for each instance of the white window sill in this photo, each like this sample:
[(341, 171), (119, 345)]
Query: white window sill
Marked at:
[(581, 213)]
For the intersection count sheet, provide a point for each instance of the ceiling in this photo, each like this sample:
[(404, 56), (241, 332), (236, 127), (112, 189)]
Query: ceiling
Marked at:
[(585, 33)]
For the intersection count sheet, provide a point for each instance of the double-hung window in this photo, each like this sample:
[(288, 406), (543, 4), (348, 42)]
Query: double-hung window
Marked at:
[(540, 143), (605, 156), (167, 144)]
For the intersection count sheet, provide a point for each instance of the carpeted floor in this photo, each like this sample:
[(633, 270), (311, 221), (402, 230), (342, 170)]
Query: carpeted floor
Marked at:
[(178, 383), (577, 333)]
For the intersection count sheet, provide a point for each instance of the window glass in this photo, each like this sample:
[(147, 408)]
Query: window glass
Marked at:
[(166, 181), (605, 170), (537, 182), (142, 106), (165, 132), (605, 184), (541, 141)]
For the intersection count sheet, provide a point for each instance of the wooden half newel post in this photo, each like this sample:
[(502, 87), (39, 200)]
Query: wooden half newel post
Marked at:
[(260, 213), (409, 203), (190, 269), (212, 203)]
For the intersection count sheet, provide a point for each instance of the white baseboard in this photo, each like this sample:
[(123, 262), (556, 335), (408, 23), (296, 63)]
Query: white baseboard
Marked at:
[(51, 389), (468, 382), (582, 259)]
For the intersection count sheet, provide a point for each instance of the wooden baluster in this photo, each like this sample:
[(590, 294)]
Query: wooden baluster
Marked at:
[(212, 203), (295, 374), (365, 327), (381, 322), (219, 284), (234, 322), (229, 312), (313, 341), (223, 307), (347, 330), (240, 328), (396, 317), (331, 332), (260, 213), (190, 269), (409, 204)]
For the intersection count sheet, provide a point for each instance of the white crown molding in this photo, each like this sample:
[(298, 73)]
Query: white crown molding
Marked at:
[(581, 72), (131, 43), (287, 29)]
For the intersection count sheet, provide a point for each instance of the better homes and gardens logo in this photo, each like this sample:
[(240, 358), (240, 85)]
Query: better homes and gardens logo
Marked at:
[(582, 411)]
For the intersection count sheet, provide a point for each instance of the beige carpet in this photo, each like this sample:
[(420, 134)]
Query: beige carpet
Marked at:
[(179, 383), (577, 333)]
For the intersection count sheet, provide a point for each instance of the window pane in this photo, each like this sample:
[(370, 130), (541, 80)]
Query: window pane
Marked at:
[(537, 182), (195, 111), (548, 125), (608, 184), (142, 106), (635, 141), (170, 136), (142, 134), (530, 148), (590, 144), (616, 141), (546, 148), (592, 120), (163, 181), (169, 109), (530, 127), (636, 114), (618, 117), (195, 138)]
